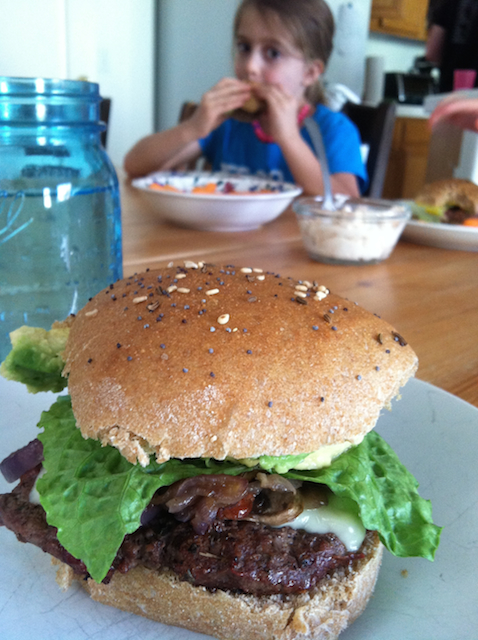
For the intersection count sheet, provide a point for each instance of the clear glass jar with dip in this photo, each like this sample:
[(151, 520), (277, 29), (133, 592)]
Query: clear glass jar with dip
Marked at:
[(359, 231)]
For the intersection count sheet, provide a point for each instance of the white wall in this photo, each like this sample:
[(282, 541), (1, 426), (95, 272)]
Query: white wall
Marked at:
[(194, 51), (346, 64), (398, 54), (29, 44), (107, 41)]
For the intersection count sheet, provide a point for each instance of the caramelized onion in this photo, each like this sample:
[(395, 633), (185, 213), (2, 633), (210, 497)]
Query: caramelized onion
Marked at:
[(150, 514), (22, 460), (199, 498)]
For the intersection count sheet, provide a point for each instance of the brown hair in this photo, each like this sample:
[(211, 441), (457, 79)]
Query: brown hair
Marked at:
[(310, 23)]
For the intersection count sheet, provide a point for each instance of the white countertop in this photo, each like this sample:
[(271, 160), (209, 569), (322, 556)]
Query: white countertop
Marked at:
[(411, 111), (431, 101), (424, 111)]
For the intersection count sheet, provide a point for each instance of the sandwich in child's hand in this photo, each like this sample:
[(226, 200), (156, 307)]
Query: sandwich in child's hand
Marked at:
[(215, 466), (451, 201), (250, 110)]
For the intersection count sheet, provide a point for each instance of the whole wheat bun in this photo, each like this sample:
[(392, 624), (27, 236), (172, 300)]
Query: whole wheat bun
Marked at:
[(201, 361), (318, 615), (451, 192)]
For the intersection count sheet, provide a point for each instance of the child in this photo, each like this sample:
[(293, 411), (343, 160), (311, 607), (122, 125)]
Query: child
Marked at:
[(281, 48)]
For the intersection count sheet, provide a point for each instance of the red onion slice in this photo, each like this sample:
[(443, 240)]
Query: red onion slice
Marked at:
[(22, 460)]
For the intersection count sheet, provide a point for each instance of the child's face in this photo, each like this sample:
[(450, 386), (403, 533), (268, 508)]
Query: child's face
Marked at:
[(266, 53)]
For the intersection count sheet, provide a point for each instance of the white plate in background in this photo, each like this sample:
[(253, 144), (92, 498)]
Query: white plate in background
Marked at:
[(435, 435), (443, 236)]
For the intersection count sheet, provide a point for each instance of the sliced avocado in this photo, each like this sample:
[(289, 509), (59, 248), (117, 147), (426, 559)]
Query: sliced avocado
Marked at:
[(35, 358)]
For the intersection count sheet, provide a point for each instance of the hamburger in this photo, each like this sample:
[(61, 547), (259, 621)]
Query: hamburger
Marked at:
[(452, 201), (214, 465), (251, 109)]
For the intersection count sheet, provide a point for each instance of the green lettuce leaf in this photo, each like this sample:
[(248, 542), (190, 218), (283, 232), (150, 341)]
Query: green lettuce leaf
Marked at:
[(94, 497), (35, 358), (386, 492)]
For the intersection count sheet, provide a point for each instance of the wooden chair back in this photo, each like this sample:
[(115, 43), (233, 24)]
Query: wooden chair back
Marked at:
[(105, 108)]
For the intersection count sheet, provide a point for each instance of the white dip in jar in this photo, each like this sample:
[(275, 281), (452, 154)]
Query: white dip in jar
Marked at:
[(359, 231)]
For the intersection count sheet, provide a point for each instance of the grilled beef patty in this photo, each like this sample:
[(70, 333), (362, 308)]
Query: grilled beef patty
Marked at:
[(241, 556)]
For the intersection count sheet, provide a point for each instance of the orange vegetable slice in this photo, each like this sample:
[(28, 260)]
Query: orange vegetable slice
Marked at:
[(163, 187), (470, 222), (210, 187)]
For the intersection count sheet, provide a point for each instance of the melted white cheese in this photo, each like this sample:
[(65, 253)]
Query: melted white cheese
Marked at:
[(339, 517)]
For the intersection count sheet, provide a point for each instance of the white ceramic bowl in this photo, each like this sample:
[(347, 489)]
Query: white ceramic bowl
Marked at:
[(359, 231), (245, 203)]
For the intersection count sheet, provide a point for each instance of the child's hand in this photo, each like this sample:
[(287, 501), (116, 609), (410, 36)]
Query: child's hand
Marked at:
[(282, 110), (228, 94)]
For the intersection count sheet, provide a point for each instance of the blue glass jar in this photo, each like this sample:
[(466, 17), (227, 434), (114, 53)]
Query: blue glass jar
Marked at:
[(60, 221)]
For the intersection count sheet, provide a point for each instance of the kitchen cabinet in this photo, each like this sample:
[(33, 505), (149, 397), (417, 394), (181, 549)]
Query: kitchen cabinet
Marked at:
[(407, 164), (419, 156), (402, 18)]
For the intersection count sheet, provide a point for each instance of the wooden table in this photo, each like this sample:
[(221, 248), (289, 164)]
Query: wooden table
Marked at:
[(430, 295)]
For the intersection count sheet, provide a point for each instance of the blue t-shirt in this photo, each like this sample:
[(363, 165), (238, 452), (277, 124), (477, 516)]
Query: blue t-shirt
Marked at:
[(235, 148)]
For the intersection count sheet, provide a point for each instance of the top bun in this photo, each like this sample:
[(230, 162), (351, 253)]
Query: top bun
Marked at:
[(202, 361), (451, 192)]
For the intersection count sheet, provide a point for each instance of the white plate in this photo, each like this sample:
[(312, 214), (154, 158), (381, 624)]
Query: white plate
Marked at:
[(434, 433), (216, 211), (443, 236)]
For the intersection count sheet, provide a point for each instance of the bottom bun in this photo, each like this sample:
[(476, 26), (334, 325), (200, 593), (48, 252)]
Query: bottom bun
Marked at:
[(320, 615)]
